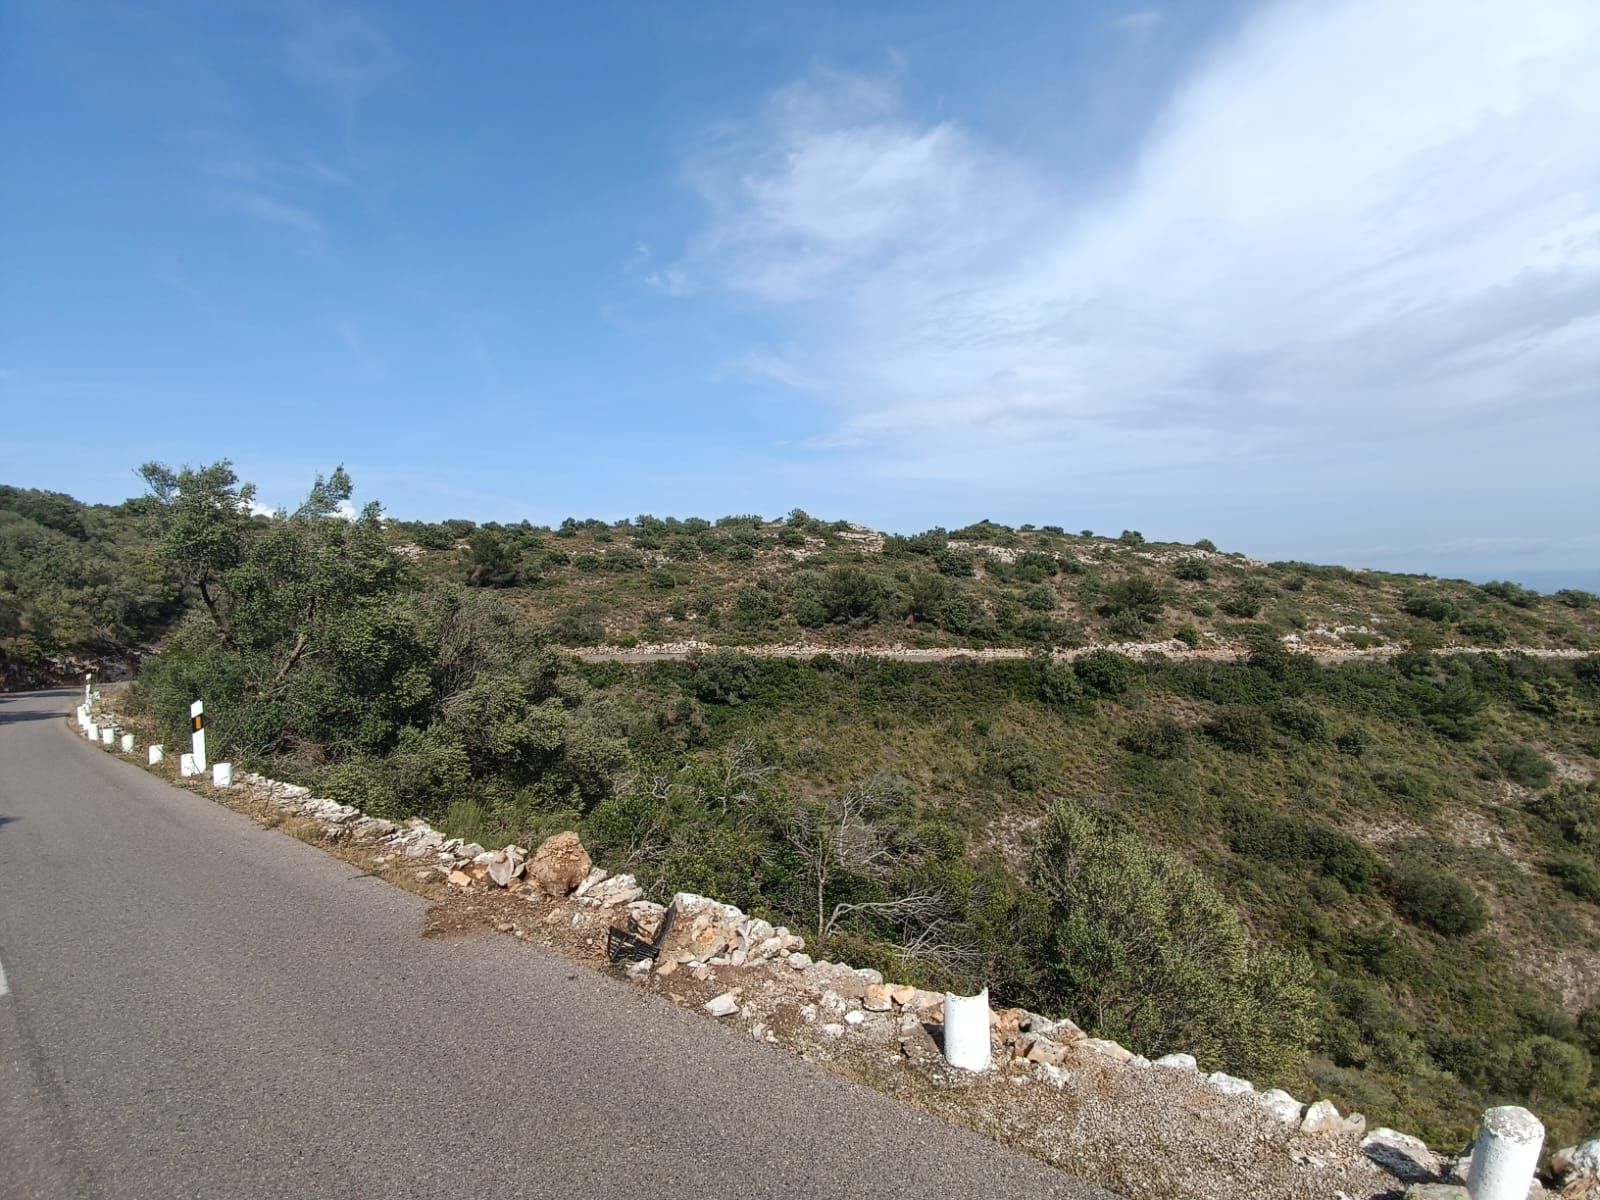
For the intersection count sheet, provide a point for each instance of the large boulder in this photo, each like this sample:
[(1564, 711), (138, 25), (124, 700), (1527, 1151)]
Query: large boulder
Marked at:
[(559, 865), (1405, 1157)]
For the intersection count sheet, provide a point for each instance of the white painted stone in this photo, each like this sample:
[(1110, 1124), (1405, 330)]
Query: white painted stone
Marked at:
[(222, 774), (186, 766), (966, 1031), (127, 743), (1505, 1154), (157, 753)]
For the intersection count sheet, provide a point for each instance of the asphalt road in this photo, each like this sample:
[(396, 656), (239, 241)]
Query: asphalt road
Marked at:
[(193, 1006)]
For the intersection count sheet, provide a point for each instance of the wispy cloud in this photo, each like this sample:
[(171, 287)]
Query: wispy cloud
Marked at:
[(273, 211), (1357, 224), (1138, 22), (343, 52)]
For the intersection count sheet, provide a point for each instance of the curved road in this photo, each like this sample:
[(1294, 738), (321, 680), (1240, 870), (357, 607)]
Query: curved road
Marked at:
[(193, 1006)]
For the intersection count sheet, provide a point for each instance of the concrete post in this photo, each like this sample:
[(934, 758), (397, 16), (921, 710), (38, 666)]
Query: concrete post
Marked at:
[(157, 753), (186, 766), (127, 743), (197, 722), (92, 731), (107, 733), (1505, 1154), (88, 689), (222, 774), (966, 1030)]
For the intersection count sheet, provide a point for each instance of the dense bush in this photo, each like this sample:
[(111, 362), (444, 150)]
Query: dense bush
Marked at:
[(1431, 896), (1147, 951), (1240, 728)]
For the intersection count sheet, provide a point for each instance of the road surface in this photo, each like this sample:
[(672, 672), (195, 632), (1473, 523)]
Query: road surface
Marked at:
[(194, 1006)]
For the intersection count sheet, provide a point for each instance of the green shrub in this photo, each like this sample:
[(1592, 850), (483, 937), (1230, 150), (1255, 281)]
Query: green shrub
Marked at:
[(1576, 876), (1575, 598), (1241, 728), (1105, 672), (1433, 897), (1354, 741), (1159, 739), (1192, 570), (1431, 607), (1512, 594), (1542, 1068), (1145, 950), (1521, 764), (1301, 721), (1188, 635)]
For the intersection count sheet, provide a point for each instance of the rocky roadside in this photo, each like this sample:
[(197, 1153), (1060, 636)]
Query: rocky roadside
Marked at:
[(1145, 1129)]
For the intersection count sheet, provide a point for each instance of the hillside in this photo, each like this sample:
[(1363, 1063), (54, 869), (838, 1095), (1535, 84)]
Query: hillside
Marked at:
[(1370, 873)]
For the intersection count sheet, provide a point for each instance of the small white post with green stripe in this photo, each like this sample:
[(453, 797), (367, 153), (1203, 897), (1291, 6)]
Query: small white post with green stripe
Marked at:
[(197, 723)]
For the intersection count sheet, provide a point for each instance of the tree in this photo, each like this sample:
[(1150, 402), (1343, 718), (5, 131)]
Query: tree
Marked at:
[(205, 524)]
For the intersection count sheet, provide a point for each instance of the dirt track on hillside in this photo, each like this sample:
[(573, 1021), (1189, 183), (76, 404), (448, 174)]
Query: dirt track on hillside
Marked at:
[(1222, 652)]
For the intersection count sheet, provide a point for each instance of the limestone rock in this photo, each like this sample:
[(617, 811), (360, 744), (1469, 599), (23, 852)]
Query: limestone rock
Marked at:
[(460, 879), (1437, 1191), (1107, 1049), (559, 865), (1177, 1062), (615, 891), (724, 1005), (643, 919), (799, 961), (589, 880), (876, 998), (1230, 1085), (1322, 1117), (1405, 1157), (1585, 1161), (1047, 1052), (1282, 1106), (701, 929), (505, 865)]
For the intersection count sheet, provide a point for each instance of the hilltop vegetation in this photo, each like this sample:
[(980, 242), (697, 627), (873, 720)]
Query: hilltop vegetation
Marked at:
[(745, 581), (1375, 879)]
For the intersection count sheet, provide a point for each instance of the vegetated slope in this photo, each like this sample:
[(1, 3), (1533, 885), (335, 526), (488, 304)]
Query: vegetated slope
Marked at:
[(81, 587), (1377, 880)]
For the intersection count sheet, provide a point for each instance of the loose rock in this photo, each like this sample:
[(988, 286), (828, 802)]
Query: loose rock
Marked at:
[(560, 864)]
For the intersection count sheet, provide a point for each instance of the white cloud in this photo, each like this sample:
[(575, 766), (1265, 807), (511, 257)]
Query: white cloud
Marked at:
[(1138, 22), (1358, 225), (273, 211)]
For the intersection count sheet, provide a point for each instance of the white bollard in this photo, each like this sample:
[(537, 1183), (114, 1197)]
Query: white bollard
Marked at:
[(1505, 1154), (186, 766), (157, 753), (197, 722), (222, 774), (966, 1031), (92, 731), (83, 716), (88, 689), (108, 734), (127, 743)]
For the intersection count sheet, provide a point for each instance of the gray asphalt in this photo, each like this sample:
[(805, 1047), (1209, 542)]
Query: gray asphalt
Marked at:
[(202, 1008)]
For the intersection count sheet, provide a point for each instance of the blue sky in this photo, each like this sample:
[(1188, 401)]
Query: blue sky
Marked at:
[(1316, 280)]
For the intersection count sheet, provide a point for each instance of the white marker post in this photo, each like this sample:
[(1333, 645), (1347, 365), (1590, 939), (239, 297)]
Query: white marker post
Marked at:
[(222, 775), (197, 723), (186, 765), (966, 1031), (127, 743), (108, 733), (88, 685), (157, 753), (91, 731), (1505, 1154)]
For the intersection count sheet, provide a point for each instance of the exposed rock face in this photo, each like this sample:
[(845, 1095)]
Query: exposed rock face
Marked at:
[(559, 865), (1282, 1105), (1177, 1062), (1230, 1085)]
